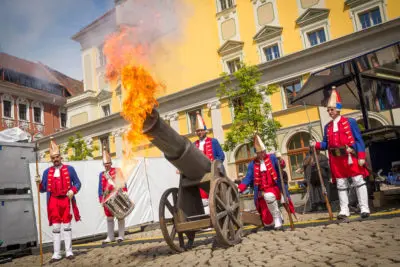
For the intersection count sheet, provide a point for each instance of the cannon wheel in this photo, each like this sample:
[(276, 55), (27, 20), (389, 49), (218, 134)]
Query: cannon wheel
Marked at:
[(168, 232), (225, 212)]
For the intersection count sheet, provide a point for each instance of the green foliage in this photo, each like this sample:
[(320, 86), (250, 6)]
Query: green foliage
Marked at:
[(80, 150), (251, 114)]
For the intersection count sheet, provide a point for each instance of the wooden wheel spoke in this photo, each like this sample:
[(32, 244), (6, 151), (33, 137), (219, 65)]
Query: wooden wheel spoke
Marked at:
[(169, 207), (228, 195), (222, 214), (235, 220), (231, 229), (173, 233), (225, 225), (220, 202), (175, 199), (235, 206)]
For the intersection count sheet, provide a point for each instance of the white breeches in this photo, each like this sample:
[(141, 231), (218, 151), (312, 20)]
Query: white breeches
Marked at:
[(273, 207), (361, 190), (205, 206)]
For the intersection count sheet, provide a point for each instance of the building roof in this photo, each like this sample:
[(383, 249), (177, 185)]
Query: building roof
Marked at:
[(40, 71), (96, 22)]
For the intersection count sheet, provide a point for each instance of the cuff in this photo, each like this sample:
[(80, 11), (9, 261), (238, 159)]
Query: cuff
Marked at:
[(318, 145), (282, 163), (100, 199), (125, 189), (242, 187), (361, 155), (74, 189)]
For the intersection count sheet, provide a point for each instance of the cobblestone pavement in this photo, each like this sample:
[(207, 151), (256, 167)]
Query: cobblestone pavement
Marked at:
[(373, 242)]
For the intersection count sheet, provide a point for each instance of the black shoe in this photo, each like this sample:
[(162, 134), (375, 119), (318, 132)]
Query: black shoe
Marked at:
[(119, 240), (342, 219), (280, 228), (364, 215), (54, 260), (70, 257), (268, 228)]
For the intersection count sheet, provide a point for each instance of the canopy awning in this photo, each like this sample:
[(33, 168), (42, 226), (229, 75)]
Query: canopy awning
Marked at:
[(316, 90)]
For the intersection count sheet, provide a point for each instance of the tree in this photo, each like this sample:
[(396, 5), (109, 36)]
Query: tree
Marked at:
[(251, 113), (80, 150)]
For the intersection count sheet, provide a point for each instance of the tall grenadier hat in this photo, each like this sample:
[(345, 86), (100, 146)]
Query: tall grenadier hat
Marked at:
[(54, 150), (334, 100), (106, 156), (258, 143), (200, 125)]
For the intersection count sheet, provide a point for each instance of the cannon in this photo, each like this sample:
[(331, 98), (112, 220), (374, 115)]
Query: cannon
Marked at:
[(181, 212)]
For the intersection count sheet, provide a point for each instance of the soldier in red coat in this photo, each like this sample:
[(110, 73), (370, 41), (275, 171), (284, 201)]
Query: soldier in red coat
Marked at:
[(61, 183), (263, 173), (211, 148), (109, 180), (342, 139)]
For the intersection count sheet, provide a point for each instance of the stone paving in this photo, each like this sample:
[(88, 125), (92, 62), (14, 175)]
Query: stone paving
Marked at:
[(374, 242)]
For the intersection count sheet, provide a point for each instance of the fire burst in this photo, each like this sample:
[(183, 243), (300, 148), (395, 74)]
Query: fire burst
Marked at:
[(126, 61)]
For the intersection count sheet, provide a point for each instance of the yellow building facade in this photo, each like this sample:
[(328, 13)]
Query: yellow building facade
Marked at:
[(287, 39)]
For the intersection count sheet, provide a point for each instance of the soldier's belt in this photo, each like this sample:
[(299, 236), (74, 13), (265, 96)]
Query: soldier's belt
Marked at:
[(338, 151)]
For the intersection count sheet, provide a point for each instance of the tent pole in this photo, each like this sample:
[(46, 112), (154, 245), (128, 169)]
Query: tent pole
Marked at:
[(360, 95)]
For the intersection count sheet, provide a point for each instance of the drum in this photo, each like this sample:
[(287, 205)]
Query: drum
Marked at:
[(119, 204)]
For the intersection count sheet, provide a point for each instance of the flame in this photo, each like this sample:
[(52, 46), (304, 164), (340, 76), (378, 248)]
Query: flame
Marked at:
[(127, 60)]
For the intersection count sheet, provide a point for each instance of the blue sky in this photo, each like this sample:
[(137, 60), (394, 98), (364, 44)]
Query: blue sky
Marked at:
[(41, 30)]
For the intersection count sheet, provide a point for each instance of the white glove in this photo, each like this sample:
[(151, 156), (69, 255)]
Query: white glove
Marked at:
[(278, 154), (70, 194), (349, 150), (312, 143), (361, 162), (37, 179)]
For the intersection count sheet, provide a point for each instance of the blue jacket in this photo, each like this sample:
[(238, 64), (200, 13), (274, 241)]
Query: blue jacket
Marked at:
[(249, 179)]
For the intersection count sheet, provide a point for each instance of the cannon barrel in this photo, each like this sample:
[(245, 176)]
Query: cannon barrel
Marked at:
[(177, 149)]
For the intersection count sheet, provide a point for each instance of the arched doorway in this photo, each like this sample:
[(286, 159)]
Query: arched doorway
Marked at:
[(244, 155), (297, 149), (373, 124)]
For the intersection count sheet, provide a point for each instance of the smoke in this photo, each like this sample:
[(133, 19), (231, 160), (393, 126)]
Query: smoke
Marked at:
[(155, 18), (158, 24)]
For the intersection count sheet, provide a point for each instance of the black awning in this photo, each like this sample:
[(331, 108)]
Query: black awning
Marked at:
[(317, 89), (373, 65)]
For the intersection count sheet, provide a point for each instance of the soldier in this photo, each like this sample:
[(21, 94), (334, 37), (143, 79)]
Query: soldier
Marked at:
[(211, 148), (263, 173), (346, 148), (109, 180), (61, 183)]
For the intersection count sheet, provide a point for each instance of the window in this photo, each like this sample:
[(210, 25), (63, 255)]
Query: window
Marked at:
[(233, 65), (7, 108), (316, 37), (237, 105), (192, 119), (37, 115), (272, 52), (22, 112), (225, 4), (370, 18), (101, 57), (106, 110), (290, 90), (297, 152), (105, 143), (63, 118), (243, 157)]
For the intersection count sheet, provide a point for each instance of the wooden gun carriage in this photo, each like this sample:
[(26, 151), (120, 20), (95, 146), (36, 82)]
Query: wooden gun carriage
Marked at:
[(181, 211)]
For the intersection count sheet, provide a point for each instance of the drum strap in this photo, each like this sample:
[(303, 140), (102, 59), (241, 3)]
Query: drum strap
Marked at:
[(109, 178)]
